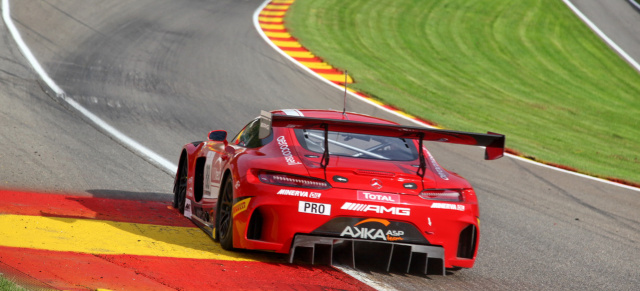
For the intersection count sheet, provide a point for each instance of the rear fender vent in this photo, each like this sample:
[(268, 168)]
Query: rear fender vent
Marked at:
[(254, 231), (199, 178), (467, 242)]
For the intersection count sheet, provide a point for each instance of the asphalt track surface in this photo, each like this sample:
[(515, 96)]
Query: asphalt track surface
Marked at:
[(167, 72)]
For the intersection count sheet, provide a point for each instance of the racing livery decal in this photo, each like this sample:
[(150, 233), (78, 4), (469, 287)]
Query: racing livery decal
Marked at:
[(372, 229), (286, 152), (298, 193), (439, 205), (378, 197), (314, 208), (403, 211), (240, 206)]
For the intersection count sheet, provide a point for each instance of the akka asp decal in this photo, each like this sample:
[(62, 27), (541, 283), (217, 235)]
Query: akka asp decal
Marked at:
[(240, 207), (372, 232), (286, 152), (372, 229)]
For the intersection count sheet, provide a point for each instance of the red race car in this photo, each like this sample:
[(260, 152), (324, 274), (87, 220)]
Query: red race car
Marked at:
[(335, 188)]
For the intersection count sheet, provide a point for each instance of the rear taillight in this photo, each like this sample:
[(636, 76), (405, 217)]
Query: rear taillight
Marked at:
[(442, 195), (289, 180)]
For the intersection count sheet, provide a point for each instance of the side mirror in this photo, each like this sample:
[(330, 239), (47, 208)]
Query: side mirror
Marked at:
[(218, 135)]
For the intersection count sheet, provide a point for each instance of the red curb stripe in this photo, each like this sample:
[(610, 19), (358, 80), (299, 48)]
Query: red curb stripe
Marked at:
[(271, 22), (283, 39), (87, 207), (76, 271), (328, 71), (296, 49), (274, 30), (309, 60)]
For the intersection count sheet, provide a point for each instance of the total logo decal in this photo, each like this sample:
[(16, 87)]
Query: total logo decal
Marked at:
[(447, 206), (298, 193), (378, 197), (286, 152), (403, 211), (372, 232)]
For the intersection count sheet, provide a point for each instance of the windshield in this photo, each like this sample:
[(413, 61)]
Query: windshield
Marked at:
[(358, 145)]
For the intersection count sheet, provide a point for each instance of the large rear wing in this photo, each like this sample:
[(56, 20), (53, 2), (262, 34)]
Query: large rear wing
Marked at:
[(493, 142)]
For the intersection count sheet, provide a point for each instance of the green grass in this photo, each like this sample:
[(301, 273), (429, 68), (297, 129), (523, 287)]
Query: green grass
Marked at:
[(529, 69), (6, 285)]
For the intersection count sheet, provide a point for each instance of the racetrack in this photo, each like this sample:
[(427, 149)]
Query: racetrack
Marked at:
[(167, 72)]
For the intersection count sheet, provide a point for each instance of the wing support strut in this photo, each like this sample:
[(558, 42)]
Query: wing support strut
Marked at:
[(423, 164), (325, 155)]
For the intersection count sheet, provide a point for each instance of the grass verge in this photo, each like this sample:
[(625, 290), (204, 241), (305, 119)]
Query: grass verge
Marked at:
[(528, 69), (6, 285)]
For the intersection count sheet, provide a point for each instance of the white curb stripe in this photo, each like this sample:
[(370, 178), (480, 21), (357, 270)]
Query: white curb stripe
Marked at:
[(129, 143)]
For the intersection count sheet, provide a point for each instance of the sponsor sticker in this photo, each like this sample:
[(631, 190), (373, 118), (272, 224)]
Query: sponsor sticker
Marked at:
[(450, 206), (402, 211), (314, 208), (380, 229), (373, 231), (286, 152), (298, 193), (378, 197), (442, 173), (240, 207), (187, 208)]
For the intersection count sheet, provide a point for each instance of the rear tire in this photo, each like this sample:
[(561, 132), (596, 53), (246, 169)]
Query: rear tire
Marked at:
[(225, 216), (180, 187)]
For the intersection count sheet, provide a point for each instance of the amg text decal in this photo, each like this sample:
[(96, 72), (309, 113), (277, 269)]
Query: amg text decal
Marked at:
[(376, 208)]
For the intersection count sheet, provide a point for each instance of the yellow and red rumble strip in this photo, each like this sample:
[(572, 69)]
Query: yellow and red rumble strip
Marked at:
[(271, 20), (272, 24), (80, 242)]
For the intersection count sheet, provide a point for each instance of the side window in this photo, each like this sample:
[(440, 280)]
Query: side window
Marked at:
[(236, 140), (248, 136)]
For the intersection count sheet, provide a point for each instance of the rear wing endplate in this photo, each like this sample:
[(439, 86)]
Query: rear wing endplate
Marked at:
[(493, 142)]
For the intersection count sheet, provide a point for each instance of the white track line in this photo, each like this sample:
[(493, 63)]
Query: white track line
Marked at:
[(126, 141), (604, 37), (256, 23)]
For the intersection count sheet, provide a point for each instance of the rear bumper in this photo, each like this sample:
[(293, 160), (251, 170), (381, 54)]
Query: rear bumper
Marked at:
[(359, 253)]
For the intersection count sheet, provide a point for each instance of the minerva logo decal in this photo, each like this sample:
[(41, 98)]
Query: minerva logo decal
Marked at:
[(447, 206), (286, 152), (298, 193)]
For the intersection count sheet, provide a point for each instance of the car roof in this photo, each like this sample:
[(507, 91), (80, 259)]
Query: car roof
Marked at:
[(332, 114)]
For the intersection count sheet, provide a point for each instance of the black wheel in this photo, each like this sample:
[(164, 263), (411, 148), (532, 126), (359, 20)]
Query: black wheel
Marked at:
[(180, 187), (225, 217)]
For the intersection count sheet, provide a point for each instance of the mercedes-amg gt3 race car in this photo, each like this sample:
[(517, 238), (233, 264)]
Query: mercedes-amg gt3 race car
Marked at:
[(333, 187)]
